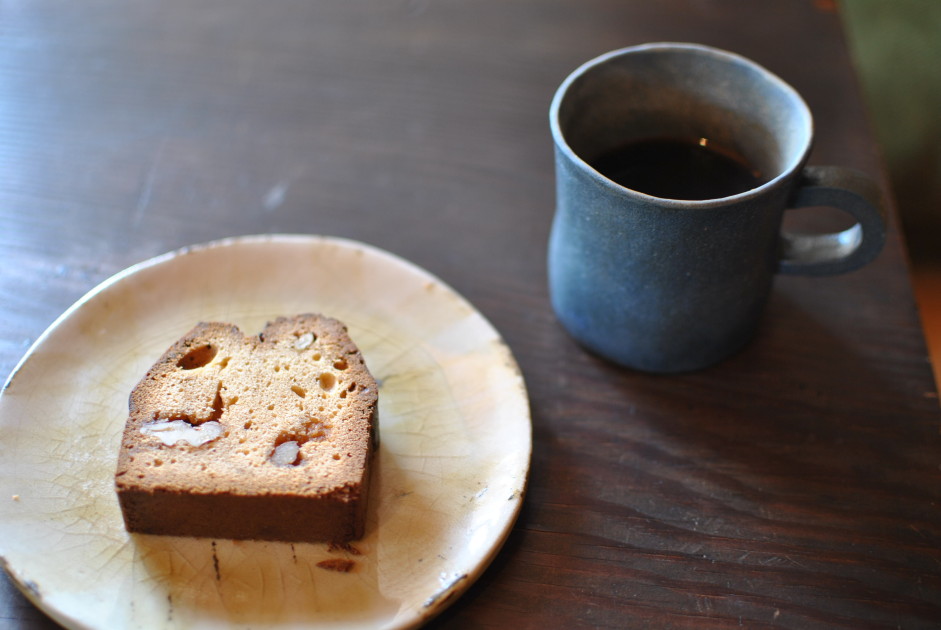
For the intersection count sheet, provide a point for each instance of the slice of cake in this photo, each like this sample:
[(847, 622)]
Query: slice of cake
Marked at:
[(267, 437)]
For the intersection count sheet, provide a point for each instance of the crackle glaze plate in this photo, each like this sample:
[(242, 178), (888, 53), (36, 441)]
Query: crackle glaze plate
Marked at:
[(450, 472)]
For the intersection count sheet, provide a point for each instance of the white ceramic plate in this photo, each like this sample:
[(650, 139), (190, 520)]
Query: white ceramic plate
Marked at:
[(450, 476)]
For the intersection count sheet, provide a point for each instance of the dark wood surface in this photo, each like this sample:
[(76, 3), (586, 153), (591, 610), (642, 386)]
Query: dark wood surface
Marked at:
[(796, 485)]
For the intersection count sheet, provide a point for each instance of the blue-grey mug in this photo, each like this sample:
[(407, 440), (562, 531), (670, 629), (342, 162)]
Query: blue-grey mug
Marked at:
[(675, 164)]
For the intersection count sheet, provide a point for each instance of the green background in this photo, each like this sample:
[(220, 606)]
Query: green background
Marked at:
[(897, 48)]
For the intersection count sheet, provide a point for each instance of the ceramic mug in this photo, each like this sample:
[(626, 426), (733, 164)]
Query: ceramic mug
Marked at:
[(666, 284)]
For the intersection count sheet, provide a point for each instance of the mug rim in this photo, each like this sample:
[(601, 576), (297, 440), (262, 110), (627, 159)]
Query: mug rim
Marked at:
[(562, 144)]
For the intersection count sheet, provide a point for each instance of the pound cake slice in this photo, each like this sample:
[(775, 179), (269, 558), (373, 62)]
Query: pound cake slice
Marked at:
[(267, 437)]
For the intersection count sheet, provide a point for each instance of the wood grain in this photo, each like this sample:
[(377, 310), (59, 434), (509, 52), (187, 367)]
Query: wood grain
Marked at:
[(795, 485)]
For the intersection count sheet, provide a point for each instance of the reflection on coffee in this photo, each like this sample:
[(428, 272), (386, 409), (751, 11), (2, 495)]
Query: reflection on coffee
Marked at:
[(674, 168)]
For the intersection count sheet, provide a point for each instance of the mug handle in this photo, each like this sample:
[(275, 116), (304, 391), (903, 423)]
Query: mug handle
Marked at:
[(837, 252)]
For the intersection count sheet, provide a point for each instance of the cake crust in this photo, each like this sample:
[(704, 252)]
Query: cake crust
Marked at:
[(267, 437)]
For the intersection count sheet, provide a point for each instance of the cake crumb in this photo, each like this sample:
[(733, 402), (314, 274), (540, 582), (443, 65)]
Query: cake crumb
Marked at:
[(347, 547), (341, 565), (16, 497)]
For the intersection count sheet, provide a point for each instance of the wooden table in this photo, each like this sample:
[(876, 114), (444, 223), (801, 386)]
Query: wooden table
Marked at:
[(795, 485)]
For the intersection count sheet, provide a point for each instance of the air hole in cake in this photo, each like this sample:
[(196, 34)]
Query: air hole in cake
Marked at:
[(341, 364), (300, 391), (316, 356), (316, 430), (224, 363), (271, 407), (248, 424), (336, 456), (291, 436), (197, 357), (217, 406), (327, 381), (158, 462), (343, 394)]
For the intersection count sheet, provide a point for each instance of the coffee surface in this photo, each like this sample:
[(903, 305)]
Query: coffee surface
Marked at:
[(678, 168)]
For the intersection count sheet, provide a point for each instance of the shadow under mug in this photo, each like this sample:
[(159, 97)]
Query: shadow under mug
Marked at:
[(671, 285)]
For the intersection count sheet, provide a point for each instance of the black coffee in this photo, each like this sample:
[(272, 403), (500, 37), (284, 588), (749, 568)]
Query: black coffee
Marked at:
[(674, 168)]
